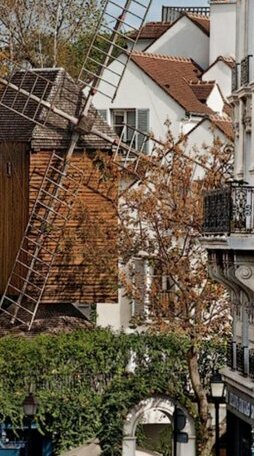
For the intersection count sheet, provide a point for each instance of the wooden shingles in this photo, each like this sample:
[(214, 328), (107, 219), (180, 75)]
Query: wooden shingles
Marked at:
[(72, 278)]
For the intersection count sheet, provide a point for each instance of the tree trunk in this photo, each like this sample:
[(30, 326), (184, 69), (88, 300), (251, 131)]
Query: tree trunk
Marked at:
[(206, 435)]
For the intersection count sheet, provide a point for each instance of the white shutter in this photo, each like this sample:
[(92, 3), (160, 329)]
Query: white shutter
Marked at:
[(131, 121), (142, 125)]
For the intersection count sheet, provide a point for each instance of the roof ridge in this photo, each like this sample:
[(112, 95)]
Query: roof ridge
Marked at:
[(220, 118), (201, 82), (162, 56), (197, 15), (157, 23)]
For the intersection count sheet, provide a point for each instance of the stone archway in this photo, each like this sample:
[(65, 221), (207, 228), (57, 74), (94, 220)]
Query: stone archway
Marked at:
[(164, 405)]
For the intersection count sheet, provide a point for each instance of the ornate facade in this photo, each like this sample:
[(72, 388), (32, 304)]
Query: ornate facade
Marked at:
[(229, 239)]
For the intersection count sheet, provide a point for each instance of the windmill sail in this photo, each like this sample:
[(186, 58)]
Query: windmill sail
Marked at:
[(113, 41), (36, 102)]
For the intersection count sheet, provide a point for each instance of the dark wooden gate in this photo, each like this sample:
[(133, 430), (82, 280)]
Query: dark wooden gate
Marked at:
[(14, 202)]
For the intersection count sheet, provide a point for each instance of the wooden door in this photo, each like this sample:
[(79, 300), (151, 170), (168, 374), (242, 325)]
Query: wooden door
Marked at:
[(14, 188)]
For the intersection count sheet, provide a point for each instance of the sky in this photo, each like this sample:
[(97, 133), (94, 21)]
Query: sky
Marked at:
[(155, 11)]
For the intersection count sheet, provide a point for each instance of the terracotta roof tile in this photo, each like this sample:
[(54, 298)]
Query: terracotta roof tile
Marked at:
[(227, 60), (56, 134), (202, 89), (224, 123), (173, 75), (152, 30)]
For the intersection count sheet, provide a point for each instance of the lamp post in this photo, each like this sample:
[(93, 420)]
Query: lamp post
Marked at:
[(217, 397), (30, 405)]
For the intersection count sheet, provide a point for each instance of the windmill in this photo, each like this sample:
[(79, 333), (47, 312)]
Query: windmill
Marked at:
[(61, 182)]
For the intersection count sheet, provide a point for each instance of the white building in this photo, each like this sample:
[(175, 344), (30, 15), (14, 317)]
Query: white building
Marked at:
[(171, 77), (229, 239)]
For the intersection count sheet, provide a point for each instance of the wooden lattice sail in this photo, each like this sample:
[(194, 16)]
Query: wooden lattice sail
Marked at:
[(29, 94)]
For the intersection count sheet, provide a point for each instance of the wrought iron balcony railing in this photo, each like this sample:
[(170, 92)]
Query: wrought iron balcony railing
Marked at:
[(237, 359), (229, 210), (235, 74), (245, 70)]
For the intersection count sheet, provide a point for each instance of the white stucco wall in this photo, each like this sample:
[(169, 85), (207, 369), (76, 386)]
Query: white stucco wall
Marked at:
[(142, 44), (222, 30), (184, 39), (198, 140), (215, 100), (222, 74), (138, 91)]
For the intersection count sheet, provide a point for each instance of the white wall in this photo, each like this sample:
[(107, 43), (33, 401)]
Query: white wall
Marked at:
[(184, 39), (215, 100), (199, 139), (138, 91), (143, 44), (222, 30), (222, 74)]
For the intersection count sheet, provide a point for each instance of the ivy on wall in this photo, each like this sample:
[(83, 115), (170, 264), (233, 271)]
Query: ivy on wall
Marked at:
[(82, 385)]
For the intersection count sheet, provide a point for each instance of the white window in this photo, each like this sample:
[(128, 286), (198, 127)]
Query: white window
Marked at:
[(125, 123)]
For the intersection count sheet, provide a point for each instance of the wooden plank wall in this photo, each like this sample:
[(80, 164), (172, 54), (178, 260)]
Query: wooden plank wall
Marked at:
[(14, 187), (76, 277)]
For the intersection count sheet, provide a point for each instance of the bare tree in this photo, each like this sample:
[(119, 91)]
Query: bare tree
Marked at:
[(46, 32)]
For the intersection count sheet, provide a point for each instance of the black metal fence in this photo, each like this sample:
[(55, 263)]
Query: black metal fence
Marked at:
[(171, 13), (229, 210), (245, 70)]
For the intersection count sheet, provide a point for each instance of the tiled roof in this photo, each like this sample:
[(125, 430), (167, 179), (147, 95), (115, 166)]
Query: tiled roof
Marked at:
[(224, 123), (56, 134), (202, 89), (152, 30), (50, 319), (227, 60), (173, 75)]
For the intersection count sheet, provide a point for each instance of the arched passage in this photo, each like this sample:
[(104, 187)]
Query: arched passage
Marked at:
[(165, 406)]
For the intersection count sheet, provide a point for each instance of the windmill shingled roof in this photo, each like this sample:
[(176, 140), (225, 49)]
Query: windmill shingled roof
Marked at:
[(53, 85), (174, 75), (50, 319)]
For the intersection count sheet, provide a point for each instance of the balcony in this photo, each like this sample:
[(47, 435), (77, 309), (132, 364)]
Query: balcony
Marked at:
[(239, 361), (172, 13), (229, 210), (235, 74), (245, 70)]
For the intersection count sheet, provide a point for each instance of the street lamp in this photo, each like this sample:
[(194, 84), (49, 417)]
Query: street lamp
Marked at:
[(218, 397), (30, 405)]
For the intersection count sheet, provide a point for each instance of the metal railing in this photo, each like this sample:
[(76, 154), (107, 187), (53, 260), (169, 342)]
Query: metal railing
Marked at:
[(245, 70), (240, 359), (229, 210), (235, 75), (172, 13)]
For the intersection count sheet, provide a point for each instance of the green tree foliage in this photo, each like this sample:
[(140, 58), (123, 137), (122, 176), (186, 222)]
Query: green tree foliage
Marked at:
[(82, 385), (48, 33)]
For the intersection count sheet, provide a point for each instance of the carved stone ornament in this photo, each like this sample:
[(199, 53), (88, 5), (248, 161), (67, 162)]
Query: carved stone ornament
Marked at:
[(247, 115), (248, 123), (237, 129), (245, 272)]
